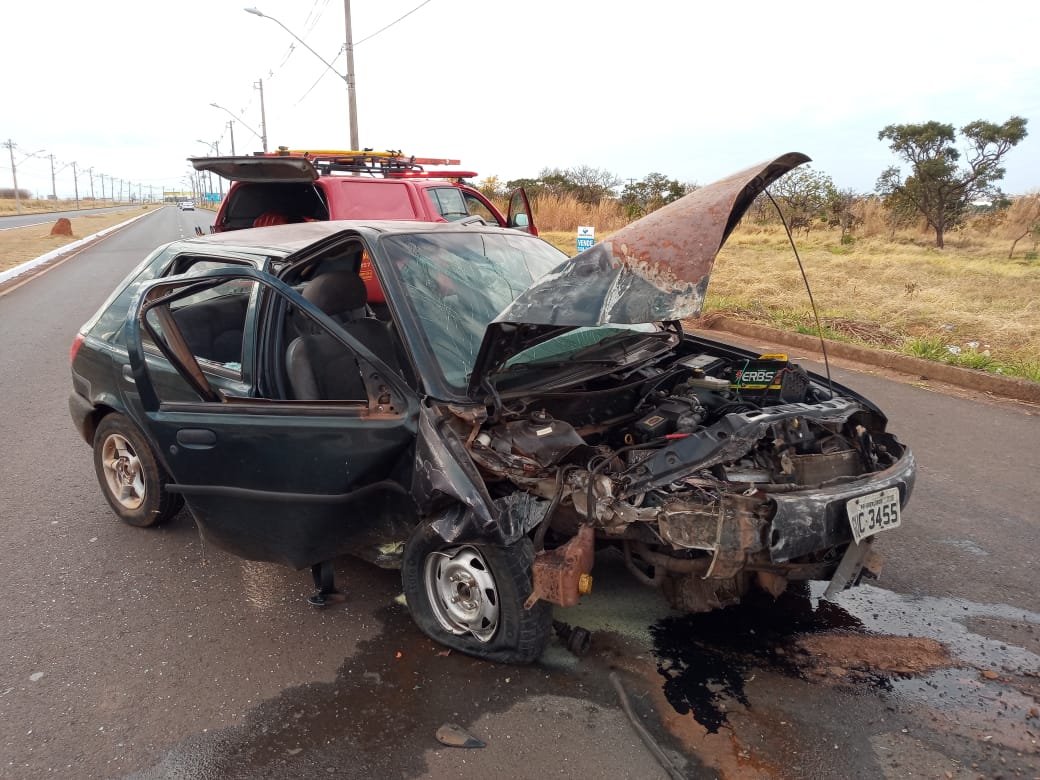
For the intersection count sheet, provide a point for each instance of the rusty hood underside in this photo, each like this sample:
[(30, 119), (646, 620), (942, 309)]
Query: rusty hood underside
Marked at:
[(655, 269)]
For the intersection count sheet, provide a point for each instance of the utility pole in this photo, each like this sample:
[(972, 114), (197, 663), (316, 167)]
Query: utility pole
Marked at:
[(101, 176), (231, 129), (14, 175), (91, 172), (351, 97), (75, 184), (220, 180), (263, 116), (54, 189)]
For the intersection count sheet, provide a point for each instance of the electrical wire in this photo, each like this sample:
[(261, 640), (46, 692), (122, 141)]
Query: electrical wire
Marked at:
[(324, 73), (381, 29)]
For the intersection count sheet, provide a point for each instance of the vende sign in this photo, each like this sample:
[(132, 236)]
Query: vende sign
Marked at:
[(586, 237)]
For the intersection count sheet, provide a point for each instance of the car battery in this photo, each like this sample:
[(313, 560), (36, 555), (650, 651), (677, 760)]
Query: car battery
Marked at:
[(768, 379), (702, 364)]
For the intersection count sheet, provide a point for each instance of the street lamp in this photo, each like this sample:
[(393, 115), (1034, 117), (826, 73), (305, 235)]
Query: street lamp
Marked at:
[(348, 78), (215, 148), (262, 137)]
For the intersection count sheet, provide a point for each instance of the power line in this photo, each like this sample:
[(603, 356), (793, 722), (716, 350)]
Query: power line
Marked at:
[(373, 35), (323, 74)]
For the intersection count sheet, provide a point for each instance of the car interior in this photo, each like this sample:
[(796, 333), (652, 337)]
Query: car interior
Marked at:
[(255, 205)]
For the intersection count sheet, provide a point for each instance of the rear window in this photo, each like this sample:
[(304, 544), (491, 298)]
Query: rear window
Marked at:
[(107, 324), (366, 199)]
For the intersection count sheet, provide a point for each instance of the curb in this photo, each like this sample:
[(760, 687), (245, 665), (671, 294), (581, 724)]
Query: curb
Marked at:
[(29, 265), (1004, 386)]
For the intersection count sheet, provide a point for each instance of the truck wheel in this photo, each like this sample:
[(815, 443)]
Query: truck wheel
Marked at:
[(470, 597), (131, 478)]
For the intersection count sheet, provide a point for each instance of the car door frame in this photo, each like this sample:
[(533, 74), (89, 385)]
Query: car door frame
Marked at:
[(360, 452)]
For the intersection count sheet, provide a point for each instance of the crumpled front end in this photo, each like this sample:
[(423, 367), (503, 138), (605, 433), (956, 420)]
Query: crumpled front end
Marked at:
[(702, 494)]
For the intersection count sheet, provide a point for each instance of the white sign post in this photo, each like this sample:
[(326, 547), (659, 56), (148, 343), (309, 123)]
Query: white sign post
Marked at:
[(586, 237)]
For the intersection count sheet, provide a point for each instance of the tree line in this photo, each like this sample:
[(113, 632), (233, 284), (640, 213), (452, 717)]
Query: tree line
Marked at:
[(937, 180)]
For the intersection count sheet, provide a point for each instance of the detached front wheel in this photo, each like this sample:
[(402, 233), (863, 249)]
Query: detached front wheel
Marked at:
[(133, 481), (470, 597)]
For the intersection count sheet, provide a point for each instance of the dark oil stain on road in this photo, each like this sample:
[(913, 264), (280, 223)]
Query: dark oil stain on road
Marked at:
[(920, 648), (706, 658)]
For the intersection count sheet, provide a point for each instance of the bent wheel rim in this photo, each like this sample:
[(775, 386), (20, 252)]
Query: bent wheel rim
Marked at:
[(124, 474), (463, 593)]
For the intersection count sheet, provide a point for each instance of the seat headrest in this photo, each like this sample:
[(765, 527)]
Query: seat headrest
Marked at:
[(339, 294)]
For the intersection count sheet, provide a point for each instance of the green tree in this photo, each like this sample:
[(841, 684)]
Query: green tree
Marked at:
[(650, 193), (937, 186), (804, 196), (842, 209), (493, 187)]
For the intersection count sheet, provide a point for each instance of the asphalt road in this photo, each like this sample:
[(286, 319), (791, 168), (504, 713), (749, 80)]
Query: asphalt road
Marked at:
[(10, 221), (142, 653)]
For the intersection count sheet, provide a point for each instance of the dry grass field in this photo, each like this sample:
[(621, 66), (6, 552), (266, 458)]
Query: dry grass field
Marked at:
[(967, 305), (18, 245)]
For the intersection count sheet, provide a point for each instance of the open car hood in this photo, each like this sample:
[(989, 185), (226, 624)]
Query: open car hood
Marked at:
[(654, 270), (258, 169)]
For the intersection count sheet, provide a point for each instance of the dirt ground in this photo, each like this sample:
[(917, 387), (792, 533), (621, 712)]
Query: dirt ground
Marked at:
[(19, 245)]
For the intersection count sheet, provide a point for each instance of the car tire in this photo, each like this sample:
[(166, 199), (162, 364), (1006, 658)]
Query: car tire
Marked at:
[(131, 478), (470, 597)]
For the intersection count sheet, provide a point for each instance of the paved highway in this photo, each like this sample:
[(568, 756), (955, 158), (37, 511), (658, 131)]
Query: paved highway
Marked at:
[(142, 653)]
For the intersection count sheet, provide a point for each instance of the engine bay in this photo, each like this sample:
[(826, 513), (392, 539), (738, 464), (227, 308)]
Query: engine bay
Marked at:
[(680, 464)]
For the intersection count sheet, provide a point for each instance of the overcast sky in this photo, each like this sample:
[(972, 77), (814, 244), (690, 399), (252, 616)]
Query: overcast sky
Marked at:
[(691, 90)]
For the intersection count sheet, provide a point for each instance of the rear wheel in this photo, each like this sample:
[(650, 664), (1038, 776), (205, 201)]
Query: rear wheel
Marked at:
[(470, 597), (131, 478)]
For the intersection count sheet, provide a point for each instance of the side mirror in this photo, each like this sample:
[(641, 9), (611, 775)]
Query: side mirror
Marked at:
[(520, 220)]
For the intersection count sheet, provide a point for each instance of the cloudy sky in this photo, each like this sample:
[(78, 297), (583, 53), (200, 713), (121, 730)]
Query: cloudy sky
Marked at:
[(692, 90)]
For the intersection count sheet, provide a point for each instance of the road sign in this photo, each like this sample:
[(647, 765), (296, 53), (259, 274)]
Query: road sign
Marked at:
[(586, 237)]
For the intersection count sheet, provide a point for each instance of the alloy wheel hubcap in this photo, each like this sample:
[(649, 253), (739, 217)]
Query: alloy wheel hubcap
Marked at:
[(123, 472)]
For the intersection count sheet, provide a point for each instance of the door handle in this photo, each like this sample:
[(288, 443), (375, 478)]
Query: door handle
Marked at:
[(196, 438)]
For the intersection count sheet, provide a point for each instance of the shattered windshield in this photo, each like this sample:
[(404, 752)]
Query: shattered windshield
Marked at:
[(459, 282)]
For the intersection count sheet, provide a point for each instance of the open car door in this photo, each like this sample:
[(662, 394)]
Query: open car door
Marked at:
[(269, 476), (520, 215)]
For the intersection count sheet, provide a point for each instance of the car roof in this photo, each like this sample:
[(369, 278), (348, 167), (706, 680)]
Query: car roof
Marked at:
[(287, 239)]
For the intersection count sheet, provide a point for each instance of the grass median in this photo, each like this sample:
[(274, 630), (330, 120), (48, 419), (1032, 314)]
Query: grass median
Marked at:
[(19, 245)]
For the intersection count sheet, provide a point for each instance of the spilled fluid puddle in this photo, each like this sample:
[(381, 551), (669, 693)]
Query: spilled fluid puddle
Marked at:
[(949, 654)]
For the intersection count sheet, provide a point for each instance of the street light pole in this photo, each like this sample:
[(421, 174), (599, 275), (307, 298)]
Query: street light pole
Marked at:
[(348, 79), (247, 127), (215, 148)]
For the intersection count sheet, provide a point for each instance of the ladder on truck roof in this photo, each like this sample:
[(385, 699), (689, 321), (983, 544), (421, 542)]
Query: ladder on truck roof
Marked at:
[(388, 164)]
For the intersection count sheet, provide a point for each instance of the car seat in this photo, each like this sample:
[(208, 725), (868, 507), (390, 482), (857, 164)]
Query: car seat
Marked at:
[(320, 367)]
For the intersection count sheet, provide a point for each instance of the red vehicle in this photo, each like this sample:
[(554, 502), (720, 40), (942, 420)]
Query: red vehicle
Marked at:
[(306, 186)]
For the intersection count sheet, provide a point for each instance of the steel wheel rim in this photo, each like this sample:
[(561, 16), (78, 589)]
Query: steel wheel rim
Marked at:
[(124, 474), (463, 593)]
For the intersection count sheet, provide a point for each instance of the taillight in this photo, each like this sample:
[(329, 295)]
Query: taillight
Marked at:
[(76, 343)]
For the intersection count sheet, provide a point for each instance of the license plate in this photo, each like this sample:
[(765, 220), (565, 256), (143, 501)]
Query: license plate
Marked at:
[(874, 512)]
